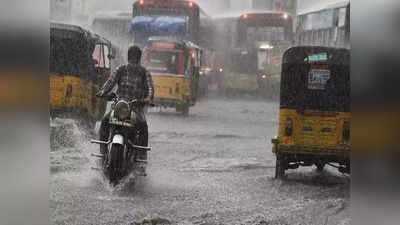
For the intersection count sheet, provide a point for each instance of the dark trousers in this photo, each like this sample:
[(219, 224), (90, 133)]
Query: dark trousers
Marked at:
[(140, 128)]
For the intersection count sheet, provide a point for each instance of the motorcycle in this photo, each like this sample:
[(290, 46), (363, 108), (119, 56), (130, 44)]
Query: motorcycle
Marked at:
[(119, 156)]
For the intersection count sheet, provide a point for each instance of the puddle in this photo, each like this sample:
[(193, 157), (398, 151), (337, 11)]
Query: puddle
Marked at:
[(225, 165)]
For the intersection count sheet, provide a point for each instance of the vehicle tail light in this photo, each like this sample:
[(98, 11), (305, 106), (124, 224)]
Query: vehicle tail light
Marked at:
[(245, 16), (141, 2), (346, 131), (191, 4), (289, 127)]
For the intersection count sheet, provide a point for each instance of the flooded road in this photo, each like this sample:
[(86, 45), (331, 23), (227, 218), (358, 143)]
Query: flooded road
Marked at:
[(213, 167)]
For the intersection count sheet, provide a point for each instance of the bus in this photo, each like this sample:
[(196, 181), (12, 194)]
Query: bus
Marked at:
[(69, 11), (173, 18), (114, 25), (61, 10), (327, 26), (249, 48)]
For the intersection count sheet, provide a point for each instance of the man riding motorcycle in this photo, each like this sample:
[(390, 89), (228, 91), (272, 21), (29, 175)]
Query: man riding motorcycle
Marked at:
[(134, 82)]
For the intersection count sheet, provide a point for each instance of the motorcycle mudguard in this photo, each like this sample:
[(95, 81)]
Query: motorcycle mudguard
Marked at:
[(118, 139)]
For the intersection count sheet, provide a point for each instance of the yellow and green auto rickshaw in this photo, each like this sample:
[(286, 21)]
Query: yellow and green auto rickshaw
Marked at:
[(174, 66), (314, 119), (79, 65)]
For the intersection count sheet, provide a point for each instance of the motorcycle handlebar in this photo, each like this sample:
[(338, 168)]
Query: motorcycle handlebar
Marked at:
[(115, 97)]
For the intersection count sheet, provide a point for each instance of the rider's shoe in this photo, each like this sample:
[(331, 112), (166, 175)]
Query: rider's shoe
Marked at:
[(141, 168)]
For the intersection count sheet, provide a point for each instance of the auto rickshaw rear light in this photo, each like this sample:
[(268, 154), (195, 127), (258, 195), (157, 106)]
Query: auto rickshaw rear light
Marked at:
[(346, 131), (289, 127)]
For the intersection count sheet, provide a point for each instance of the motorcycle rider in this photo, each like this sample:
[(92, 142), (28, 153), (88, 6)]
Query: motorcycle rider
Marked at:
[(134, 82)]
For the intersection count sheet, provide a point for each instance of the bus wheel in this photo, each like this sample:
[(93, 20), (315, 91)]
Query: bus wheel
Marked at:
[(320, 166), (280, 167)]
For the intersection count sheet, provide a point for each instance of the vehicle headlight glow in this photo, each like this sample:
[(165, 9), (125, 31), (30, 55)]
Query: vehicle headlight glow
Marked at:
[(122, 110), (264, 76), (221, 70), (266, 46), (285, 16)]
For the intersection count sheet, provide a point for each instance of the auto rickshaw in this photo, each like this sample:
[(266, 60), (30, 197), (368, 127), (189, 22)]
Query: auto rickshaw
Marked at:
[(174, 66), (314, 119), (79, 65), (240, 73)]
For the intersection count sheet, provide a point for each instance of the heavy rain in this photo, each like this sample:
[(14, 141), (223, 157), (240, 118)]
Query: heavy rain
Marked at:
[(249, 123)]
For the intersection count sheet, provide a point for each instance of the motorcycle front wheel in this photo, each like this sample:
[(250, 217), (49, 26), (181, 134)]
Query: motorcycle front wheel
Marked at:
[(115, 168)]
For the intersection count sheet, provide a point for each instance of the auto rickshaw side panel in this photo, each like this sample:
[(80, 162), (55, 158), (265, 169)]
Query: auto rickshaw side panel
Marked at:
[(70, 93)]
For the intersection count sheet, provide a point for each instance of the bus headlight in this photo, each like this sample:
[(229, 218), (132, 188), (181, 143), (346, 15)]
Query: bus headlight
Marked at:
[(121, 110), (285, 16)]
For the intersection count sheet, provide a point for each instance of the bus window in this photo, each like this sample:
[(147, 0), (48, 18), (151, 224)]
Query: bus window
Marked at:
[(342, 17)]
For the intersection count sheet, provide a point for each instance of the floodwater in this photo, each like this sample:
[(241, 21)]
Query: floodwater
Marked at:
[(214, 166)]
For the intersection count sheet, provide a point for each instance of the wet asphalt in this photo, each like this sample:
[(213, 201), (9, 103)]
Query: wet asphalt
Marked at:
[(214, 166)]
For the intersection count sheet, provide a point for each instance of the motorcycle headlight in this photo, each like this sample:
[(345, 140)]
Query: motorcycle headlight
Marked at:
[(122, 110)]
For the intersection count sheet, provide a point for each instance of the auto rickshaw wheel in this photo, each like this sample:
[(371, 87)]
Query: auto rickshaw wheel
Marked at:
[(280, 167), (184, 109)]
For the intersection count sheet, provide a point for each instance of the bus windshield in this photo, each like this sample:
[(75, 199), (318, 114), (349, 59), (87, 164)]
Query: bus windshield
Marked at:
[(162, 61), (265, 33), (144, 27)]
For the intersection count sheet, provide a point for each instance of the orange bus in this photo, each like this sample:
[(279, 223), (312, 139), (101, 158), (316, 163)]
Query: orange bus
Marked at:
[(256, 37)]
